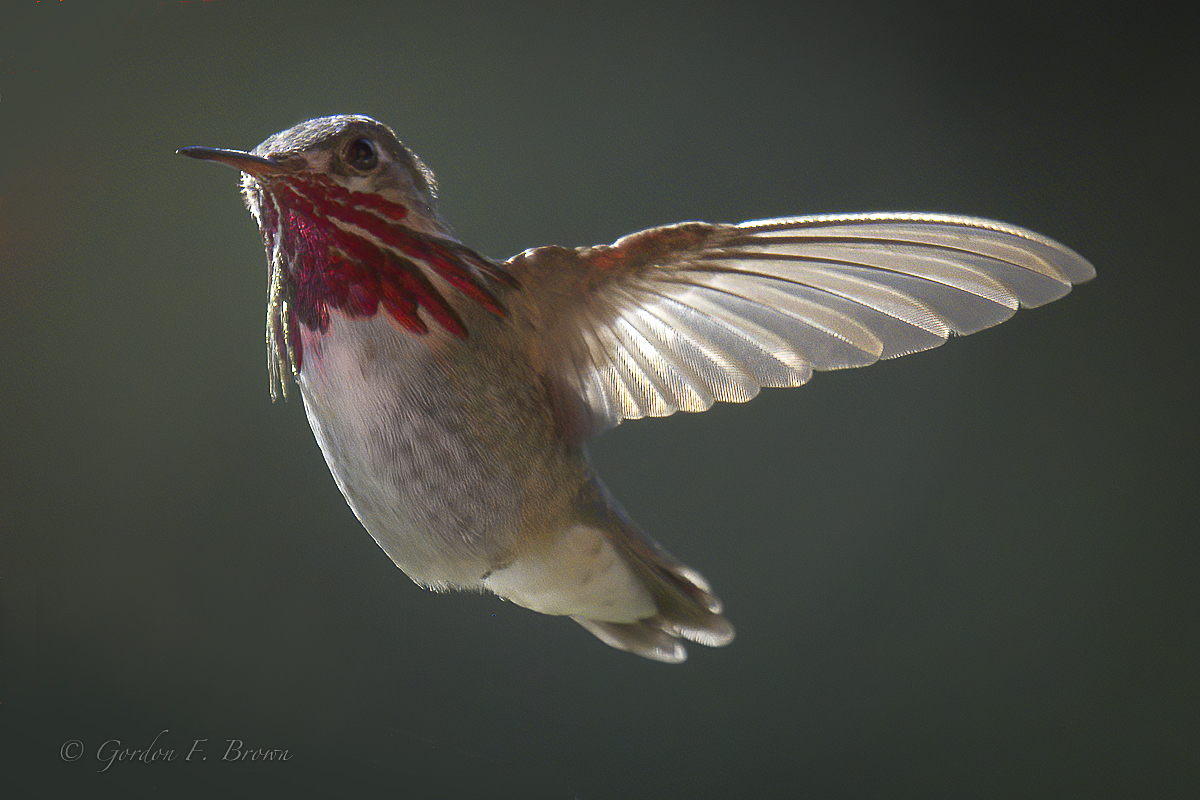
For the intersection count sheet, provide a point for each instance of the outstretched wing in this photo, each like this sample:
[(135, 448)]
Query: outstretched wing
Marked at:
[(678, 317)]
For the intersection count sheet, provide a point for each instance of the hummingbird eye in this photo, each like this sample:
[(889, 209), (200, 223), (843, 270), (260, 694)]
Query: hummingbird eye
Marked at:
[(361, 155)]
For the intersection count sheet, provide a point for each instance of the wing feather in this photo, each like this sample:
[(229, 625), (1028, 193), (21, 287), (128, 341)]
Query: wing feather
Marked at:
[(679, 317)]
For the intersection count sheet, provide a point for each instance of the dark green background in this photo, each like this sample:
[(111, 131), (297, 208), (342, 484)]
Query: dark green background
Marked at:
[(969, 573)]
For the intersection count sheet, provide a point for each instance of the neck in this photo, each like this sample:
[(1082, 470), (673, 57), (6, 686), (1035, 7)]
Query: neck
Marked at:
[(358, 253)]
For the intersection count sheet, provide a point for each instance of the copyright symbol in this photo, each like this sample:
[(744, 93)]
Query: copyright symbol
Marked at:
[(71, 750)]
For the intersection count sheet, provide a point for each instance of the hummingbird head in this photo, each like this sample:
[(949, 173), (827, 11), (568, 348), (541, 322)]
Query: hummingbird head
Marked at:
[(349, 221), (357, 154)]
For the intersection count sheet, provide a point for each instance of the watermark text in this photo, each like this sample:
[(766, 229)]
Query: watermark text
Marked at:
[(163, 749)]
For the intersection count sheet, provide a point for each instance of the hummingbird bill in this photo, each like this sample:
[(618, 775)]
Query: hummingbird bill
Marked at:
[(453, 395)]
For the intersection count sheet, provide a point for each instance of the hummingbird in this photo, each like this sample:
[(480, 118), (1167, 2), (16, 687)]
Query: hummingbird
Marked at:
[(453, 395)]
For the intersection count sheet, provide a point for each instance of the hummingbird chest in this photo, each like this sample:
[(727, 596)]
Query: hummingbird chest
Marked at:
[(442, 449)]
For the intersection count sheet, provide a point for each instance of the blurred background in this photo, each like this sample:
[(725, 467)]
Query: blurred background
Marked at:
[(971, 572)]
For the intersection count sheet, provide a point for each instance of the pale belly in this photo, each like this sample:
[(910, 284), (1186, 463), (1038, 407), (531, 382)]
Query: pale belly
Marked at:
[(446, 454)]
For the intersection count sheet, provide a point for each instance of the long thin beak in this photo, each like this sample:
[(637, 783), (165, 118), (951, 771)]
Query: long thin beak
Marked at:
[(238, 159)]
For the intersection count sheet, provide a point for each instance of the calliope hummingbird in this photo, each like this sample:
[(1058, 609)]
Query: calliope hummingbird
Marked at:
[(453, 395)]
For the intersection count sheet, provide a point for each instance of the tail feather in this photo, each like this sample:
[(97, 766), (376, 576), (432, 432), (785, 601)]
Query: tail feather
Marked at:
[(602, 571), (686, 607)]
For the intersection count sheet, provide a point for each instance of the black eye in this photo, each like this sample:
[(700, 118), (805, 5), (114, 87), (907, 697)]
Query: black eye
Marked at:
[(360, 154)]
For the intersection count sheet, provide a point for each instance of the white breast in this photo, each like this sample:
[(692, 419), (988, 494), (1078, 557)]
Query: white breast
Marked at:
[(399, 441)]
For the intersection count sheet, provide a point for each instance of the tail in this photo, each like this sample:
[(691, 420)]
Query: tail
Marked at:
[(686, 608), (604, 573)]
